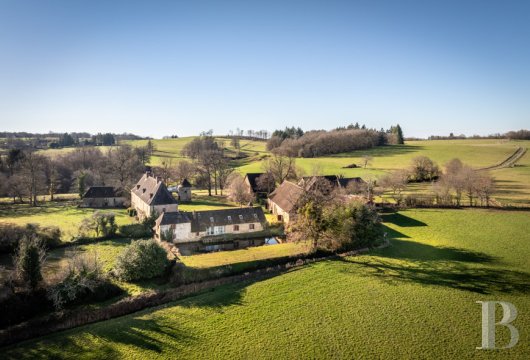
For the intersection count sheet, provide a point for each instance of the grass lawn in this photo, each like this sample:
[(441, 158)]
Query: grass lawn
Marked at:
[(415, 299), (66, 215), (243, 256)]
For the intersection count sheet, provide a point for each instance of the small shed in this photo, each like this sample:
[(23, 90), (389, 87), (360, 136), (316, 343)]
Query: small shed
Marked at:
[(103, 197)]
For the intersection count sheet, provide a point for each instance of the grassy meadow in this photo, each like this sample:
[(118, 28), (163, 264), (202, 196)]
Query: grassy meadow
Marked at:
[(65, 214), (415, 299), (513, 183)]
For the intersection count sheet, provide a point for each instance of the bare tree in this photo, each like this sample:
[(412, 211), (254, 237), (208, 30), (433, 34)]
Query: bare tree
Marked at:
[(32, 175), (367, 159), (184, 170), (238, 190), (485, 186), (124, 166), (265, 182), (396, 182), (280, 167)]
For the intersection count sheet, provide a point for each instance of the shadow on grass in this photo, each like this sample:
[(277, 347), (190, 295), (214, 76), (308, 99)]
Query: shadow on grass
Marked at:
[(401, 220), (104, 342), (447, 274)]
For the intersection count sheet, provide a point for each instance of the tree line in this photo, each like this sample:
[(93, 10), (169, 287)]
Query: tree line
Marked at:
[(25, 174), (510, 135), (456, 185), (295, 142), (25, 140)]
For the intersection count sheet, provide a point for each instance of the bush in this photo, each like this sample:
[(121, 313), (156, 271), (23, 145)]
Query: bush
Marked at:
[(351, 226), (22, 306), (135, 231), (10, 235), (83, 281), (131, 212), (143, 259), (28, 261), (103, 224)]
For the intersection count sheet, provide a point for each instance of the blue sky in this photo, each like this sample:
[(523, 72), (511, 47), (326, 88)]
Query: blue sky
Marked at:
[(159, 68)]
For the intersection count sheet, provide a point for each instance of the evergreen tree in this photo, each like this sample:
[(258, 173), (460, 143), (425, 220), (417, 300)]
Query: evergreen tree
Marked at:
[(399, 135)]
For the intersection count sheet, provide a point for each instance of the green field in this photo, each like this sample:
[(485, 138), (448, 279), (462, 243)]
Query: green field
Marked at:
[(243, 256), (513, 183), (66, 215), (415, 299)]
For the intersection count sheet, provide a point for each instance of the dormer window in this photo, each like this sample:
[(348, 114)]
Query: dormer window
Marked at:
[(138, 186), (151, 195), (240, 217), (256, 216), (211, 219), (143, 190), (229, 218)]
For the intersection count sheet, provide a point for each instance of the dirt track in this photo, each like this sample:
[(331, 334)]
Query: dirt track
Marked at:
[(509, 161)]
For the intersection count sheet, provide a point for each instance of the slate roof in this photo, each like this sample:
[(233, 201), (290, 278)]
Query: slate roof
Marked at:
[(344, 182), (252, 177), (185, 183), (102, 192), (201, 220), (176, 217), (153, 191), (286, 195), (308, 181)]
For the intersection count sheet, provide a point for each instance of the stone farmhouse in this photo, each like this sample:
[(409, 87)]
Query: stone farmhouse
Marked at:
[(282, 201), (335, 181), (151, 195), (182, 227), (103, 197)]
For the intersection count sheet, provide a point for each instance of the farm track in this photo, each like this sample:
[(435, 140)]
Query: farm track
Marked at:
[(509, 161)]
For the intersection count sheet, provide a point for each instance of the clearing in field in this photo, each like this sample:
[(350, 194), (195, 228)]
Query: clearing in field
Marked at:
[(386, 304)]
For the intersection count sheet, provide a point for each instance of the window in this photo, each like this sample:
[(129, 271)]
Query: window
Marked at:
[(219, 230), (229, 218), (251, 226), (256, 216), (197, 233), (240, 217), (215, 230), (211, 219), (236, 227)]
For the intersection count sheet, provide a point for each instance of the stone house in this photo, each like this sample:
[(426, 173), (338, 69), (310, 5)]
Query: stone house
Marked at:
[(103, 197), (150, 195), (182, 227), (283, 200)]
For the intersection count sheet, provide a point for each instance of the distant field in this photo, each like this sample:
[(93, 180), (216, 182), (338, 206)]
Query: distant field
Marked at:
[(513, 183), (387, 304)]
